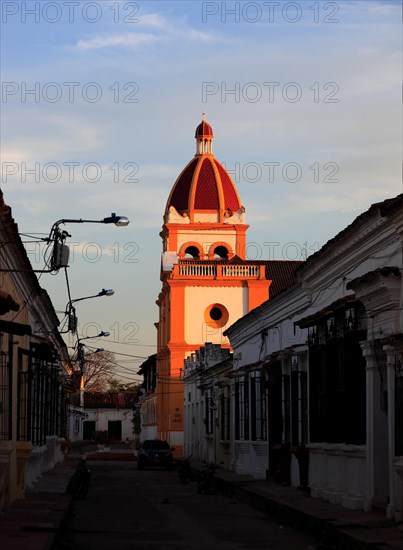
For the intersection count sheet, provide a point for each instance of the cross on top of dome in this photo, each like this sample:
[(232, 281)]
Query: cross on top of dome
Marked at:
[(204, 132)]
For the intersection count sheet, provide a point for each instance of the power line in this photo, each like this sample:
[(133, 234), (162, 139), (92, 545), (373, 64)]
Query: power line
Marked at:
[(118, 353), (132, 344)]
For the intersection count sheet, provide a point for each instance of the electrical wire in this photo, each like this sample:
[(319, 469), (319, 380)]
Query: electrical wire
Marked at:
[(31, 294), (33, 236), (118, 353), (25, 304), (132, 344), (121, 367)]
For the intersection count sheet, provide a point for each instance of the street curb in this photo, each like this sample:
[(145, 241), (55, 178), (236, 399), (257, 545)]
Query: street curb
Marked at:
[(305, 522), (327, 527)]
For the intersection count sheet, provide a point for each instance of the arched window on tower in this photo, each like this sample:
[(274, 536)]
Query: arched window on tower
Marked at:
[(221, 253), (192, 252)]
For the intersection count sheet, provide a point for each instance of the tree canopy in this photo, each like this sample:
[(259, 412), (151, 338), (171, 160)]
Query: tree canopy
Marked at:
[(99, 368)]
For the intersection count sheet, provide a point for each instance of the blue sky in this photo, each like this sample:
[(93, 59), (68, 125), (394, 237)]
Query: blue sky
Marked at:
[(315, 104)]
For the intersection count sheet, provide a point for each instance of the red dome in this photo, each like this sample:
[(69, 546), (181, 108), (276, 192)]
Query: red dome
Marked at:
[(204, 129), (204, 184)]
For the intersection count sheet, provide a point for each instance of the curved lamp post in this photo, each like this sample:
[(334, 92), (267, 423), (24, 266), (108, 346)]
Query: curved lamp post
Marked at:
[(80, 357), (71, 310), (119, 221), (60, 253), (103, 292)]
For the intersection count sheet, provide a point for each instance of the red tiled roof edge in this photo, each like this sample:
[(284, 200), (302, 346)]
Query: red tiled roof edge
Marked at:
[(282, 274)]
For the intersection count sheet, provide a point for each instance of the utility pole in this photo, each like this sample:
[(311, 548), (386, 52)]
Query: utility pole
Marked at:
[(80, 354)]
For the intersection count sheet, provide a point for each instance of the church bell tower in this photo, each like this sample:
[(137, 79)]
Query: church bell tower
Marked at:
[(207, 283)]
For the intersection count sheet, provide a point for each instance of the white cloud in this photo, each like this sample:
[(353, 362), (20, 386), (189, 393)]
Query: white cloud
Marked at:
[(127, 40), (154, 20), (385, 8), (74, 136), (168, 30), (193, 34)]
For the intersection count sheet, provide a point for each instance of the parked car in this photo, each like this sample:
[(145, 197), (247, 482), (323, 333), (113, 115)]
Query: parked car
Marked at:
[(154, 452)]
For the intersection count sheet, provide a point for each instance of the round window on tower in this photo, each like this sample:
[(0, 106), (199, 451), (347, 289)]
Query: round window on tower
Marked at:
[(216, 315)]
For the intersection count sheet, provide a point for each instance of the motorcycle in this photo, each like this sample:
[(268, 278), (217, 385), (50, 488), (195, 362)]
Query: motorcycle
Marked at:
[(185, 471), (80, 483), (207, 483)]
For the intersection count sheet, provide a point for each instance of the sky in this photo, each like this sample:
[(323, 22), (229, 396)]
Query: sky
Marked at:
[(100, 101)]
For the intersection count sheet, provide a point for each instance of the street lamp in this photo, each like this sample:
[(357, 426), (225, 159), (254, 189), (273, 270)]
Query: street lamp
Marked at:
[(103, 333), (104, 292), (81, 361), (60, 254), (70, 310), (119, 221), (80, 349)]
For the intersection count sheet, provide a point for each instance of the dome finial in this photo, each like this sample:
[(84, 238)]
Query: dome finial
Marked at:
[(204, 137)]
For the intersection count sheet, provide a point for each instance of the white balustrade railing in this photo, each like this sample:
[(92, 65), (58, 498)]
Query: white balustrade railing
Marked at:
[(198, 270), (240, 270), (212, 270)]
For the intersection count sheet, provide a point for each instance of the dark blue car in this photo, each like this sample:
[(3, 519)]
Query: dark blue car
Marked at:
[(154, 452)]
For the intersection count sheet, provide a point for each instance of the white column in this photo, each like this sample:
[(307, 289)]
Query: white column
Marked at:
[(367, 351), (390, 364), (232, 424)]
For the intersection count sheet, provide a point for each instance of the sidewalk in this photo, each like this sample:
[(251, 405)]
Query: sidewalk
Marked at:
[(335, 526), (35, 522)]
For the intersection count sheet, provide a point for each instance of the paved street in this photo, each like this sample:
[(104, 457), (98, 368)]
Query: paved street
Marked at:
[(151, 509)]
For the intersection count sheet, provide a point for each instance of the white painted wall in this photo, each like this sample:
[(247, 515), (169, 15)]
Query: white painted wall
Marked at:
[(197, 299), (102, 417), (148, 409)]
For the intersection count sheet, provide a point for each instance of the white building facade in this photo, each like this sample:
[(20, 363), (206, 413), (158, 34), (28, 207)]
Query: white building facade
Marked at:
[(207, 405), (318, 378)]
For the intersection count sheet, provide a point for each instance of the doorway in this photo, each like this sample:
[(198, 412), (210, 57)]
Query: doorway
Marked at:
[(115, 430), (88, 429)]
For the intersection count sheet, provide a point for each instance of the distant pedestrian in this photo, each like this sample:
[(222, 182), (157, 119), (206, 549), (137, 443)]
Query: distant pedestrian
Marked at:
[(80, 482)]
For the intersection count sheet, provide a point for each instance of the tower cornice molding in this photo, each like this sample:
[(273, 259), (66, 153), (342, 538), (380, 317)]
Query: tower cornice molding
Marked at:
[(205, 227), (225, 283)]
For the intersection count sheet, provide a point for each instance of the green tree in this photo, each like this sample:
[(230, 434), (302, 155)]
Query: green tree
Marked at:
[(116, 386)]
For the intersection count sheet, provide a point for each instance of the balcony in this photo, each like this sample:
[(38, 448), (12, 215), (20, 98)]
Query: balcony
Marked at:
[(215, 270)]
